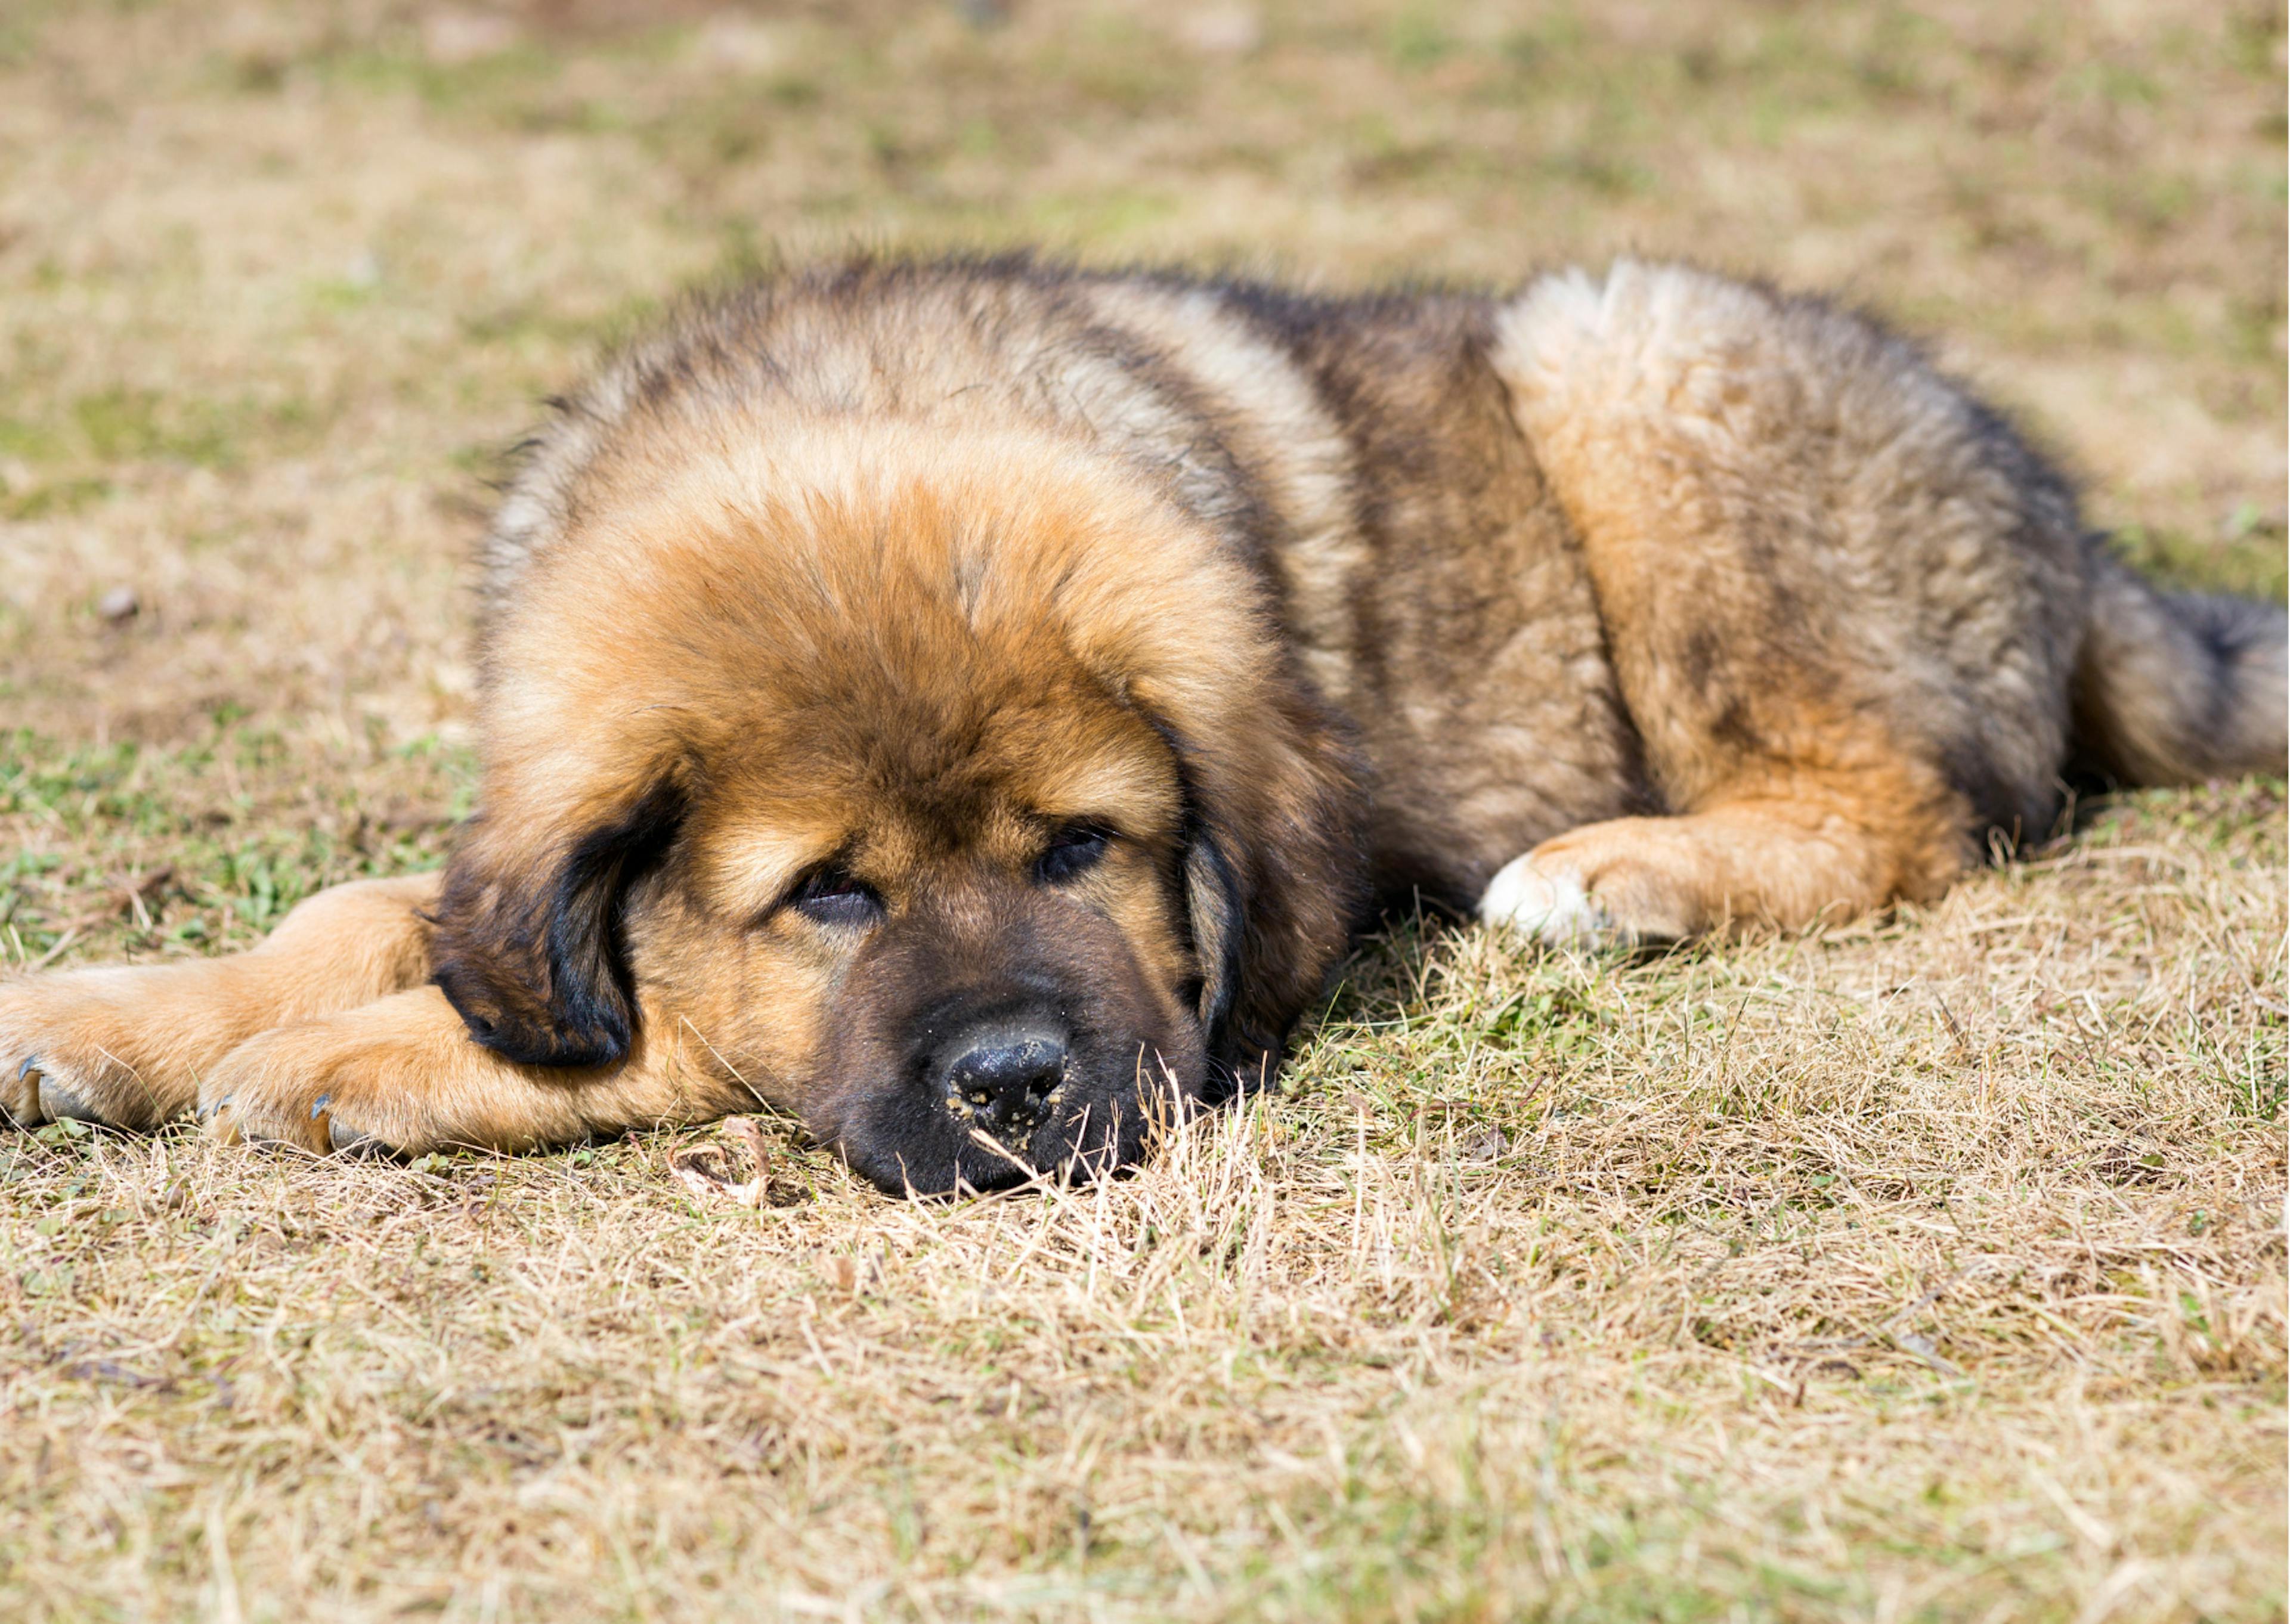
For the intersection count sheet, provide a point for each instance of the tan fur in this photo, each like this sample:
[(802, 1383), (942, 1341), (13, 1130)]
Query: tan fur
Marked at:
[(402, 1068), (130, 1046), (901, 649)]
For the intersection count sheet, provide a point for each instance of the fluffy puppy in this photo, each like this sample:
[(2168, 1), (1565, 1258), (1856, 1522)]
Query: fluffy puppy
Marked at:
[(971, 704)]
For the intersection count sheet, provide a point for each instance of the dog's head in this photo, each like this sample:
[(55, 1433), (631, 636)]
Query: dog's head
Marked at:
[(953, 794)]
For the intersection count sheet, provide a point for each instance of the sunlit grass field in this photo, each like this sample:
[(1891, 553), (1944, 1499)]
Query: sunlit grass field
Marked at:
[(1929, 1267)]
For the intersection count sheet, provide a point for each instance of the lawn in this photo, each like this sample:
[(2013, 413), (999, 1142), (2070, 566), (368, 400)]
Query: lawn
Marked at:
[(1927, 1267)]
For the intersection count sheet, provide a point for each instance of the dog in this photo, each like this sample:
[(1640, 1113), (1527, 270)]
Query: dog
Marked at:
[(973, 704)]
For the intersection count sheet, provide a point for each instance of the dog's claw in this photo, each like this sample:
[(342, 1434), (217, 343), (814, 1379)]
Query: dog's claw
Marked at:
[(342, 1137), (27, 1074)]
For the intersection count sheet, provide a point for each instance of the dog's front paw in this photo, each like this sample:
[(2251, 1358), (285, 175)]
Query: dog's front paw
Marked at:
[(315, 1087), (71, 1045), (401, 1073), (1549, 901)]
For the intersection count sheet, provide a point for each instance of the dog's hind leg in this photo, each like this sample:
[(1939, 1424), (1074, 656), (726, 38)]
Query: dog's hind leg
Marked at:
[(1777, 855), (128, 1044), (1841, 600)]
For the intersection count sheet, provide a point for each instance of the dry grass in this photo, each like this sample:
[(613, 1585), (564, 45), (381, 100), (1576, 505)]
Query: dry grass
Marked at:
[(1932, 1268)]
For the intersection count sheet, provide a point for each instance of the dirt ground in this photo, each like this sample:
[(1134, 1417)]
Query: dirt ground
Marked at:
[(1931, 1267)]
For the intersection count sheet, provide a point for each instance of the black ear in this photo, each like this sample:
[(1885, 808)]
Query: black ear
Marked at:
[(530, 945), (1239, 1060), (1275, 878), (1212, 903)]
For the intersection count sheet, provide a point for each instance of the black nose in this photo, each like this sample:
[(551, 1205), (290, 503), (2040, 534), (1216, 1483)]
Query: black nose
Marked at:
[(1002, 1078)]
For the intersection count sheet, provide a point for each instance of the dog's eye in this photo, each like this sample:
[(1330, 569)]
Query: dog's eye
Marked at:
[(1072, 849), (831, 896)]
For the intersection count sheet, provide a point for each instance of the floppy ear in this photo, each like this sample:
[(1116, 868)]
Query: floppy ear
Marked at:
[(1275, 877), (529, 941), (1213, 904)]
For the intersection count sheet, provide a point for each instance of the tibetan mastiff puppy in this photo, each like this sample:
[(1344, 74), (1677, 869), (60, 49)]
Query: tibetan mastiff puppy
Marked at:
[(972, 704)]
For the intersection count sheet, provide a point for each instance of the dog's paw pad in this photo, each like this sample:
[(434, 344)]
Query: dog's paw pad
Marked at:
[(1550, 905), (58, 1101), (347, 1140)]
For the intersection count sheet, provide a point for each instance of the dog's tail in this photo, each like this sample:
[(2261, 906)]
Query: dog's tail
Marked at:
[(2175, 688)]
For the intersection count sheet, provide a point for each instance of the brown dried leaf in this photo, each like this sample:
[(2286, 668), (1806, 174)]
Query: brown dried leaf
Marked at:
[(746, 1134), (711, 1172)]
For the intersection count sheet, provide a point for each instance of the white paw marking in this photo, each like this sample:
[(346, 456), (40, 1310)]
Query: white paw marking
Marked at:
[(1548, 904)]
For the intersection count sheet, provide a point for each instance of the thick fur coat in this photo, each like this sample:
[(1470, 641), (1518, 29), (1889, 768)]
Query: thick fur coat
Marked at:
[(973, 704)]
